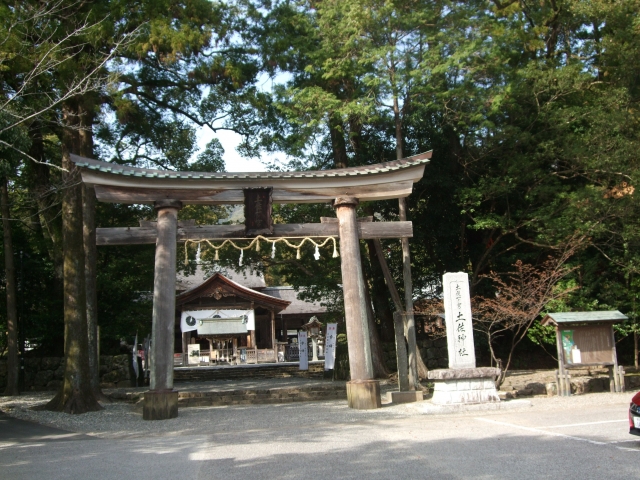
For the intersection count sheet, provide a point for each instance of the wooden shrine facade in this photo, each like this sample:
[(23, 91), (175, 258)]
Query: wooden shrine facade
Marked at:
[(220, 293), (168, 191), (275, 316)]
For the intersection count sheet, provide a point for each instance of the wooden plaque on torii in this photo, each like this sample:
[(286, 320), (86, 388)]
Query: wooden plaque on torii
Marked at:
[(257, 211)]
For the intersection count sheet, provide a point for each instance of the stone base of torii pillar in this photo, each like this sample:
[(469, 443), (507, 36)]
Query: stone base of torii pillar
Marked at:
[(464, 385)]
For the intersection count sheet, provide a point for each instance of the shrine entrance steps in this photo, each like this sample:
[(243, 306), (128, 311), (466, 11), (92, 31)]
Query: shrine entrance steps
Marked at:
[(243, 392), (333, 391), (249, 372)]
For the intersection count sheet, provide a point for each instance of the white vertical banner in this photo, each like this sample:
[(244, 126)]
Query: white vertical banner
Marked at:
[(303, 349), (330, 346)]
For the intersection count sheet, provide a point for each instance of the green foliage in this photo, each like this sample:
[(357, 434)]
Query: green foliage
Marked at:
[(531, 110)]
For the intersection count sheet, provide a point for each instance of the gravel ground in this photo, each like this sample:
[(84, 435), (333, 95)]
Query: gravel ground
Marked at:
[(119, 420)]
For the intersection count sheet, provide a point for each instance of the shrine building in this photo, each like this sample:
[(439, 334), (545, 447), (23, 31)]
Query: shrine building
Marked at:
[(230, 318)]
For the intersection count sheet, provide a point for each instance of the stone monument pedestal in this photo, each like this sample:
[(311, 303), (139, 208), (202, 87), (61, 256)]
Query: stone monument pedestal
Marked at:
[(456, 386)]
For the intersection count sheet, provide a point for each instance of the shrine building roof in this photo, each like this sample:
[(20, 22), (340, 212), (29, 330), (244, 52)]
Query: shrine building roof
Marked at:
[(218, 286)]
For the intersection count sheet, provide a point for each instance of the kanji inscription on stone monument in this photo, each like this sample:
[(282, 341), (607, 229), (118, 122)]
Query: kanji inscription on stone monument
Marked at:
[(457, 309)]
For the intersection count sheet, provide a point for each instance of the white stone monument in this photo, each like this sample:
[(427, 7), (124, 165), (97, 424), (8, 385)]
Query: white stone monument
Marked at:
[(462, 382), (457, 313)]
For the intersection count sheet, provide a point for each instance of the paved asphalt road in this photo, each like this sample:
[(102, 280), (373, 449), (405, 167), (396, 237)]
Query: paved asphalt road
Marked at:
[(555, 440)]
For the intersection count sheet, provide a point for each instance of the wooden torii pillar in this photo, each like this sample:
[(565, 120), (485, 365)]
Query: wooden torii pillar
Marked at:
[(363, 392), (161, 402), (169, 190)]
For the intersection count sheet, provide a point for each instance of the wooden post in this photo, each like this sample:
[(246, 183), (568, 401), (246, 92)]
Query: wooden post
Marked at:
[(98, 348), (285, 337), (186, 336), (409, 321), (561, 371), (612, 381), (162, 401), (234, 344), (273, 335), (398, 322), (614, 358), (363, 392), (401, 353)]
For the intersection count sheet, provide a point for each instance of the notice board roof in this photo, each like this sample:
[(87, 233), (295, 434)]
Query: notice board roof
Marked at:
[(609, 316)]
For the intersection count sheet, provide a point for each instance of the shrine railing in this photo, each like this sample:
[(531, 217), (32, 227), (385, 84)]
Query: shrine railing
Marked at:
[(241, 356), (292, 353)]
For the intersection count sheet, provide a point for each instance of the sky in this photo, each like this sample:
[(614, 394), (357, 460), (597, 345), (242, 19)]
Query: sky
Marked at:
[(232, 159)]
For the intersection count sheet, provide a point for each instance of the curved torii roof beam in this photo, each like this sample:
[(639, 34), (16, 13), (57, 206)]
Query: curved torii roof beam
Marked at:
[(122, 184)]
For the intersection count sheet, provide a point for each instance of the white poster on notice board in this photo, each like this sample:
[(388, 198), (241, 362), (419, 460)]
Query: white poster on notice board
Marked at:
[(303, 349)]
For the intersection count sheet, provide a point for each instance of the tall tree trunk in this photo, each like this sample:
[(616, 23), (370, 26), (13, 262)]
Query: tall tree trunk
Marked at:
[(85, 146), (635, 349), (338, 145), (417, 368), (380, 296), (341, 160), (13, 367), (75, 394), (398, 123), (393, 291), (90, 259), (46, 198), (380, 369)]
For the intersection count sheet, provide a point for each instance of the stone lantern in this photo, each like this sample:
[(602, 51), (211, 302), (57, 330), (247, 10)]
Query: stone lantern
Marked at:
[(313, 328)]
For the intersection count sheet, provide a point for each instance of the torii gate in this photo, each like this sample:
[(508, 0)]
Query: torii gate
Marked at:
[(168, 191)]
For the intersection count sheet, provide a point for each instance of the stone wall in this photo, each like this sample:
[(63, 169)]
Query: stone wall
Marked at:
[(433, 351), (46, 373)]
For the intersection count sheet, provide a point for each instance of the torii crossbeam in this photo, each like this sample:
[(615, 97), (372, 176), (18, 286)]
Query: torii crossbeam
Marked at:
[(168, 191)]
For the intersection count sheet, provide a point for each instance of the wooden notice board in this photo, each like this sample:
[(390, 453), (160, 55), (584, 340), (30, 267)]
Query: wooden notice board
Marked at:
[(586, 339)]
